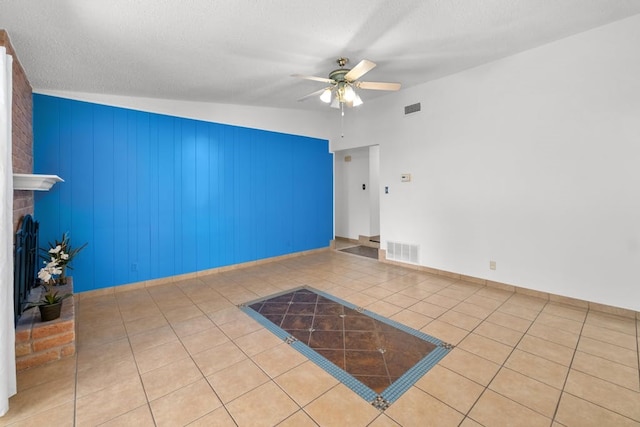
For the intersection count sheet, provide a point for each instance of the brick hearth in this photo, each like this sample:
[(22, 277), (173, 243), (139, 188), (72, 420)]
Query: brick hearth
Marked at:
[(40, 342)]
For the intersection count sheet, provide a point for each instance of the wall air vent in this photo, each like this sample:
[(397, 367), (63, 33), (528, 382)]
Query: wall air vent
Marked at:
[(413, 108), (403, 252)]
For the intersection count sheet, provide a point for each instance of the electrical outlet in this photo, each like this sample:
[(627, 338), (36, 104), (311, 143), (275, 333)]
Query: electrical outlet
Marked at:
[(492, 265), (134, 266)]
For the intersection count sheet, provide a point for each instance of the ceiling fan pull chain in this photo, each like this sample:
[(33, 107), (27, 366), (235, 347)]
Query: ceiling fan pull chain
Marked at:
[(342, 120)]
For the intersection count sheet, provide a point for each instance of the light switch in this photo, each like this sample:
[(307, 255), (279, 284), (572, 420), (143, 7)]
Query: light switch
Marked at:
[(405, 177)]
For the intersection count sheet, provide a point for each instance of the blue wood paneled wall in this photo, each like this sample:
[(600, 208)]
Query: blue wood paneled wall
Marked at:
[(157, 195)]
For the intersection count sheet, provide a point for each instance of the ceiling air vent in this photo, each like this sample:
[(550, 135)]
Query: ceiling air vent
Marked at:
[(413, 108)]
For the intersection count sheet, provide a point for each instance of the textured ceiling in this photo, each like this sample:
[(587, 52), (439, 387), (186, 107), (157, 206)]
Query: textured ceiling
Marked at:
[(244, 51)]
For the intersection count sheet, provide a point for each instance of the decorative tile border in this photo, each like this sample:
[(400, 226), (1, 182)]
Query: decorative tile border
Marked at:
[(390, 394)]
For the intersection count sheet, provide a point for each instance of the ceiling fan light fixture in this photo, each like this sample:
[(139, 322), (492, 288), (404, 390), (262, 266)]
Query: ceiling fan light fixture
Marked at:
[(357, 100), (326, 96), (335, 103), (349, 94)]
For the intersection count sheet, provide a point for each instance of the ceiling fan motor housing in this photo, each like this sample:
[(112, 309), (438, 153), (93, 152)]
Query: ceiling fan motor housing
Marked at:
[(338, 75)]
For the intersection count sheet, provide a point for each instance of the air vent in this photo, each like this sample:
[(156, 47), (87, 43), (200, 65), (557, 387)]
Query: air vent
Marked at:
[(402, 252), (413, 108)]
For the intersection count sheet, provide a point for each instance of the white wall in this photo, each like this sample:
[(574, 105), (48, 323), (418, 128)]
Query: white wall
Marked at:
[(374, 193), (352, 217), (317, 124), (531, 161)]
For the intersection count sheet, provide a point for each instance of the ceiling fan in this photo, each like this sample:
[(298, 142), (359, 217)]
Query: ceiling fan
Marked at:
[(343, 83)]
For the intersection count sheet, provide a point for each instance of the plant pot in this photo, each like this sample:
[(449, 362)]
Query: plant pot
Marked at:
[(50, 311)]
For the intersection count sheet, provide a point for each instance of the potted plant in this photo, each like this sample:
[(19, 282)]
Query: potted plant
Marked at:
[(62, 252), (50, 303)]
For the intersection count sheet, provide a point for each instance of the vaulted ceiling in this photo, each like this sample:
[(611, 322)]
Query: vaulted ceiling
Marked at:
[(244, 51)]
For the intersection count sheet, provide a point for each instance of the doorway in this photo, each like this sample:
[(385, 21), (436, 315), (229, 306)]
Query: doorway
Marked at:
[(357, 196)]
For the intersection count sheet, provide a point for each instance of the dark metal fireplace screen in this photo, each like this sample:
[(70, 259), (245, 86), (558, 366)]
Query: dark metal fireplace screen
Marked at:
[(25, 259)]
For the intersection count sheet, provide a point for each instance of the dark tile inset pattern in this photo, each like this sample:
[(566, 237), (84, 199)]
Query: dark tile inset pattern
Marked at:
[(372, 351)]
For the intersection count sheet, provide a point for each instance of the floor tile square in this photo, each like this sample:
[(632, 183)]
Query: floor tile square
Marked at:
[(185, 405), (139, 417), (574, 411), (306, 382), (160, 355), (451, 388), (166, 379), (236, 380), (493, 409), (610, 352), (219, 357), (99, 377), (446, 332), (204, 340), (538, 368), (499, 333), (526, 391), (610, 336), (341, 407), (266, 406), (279, 359), (257, 342), (298, 419), (486, 347), (471, 366), (191, 326), (218, 418), (603, 393), (549, 350), (607, 370), (416, 407), (110, 402)]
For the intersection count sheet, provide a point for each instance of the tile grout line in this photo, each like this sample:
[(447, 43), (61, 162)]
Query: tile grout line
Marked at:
[(134, 355), (585, 373), (502, 365), (466, 415), (566, 378)]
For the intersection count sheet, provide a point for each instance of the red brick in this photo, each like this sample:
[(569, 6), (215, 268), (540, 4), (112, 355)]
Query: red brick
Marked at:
[(37, 359), (53, 341), (51, 329), (23, 349), (68, 350), (22, 128), (23, 335)]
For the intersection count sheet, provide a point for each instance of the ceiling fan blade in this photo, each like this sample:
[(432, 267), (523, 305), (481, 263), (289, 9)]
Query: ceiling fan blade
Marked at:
[(359, 70), (317, 79), (316, 93), (378, 86)]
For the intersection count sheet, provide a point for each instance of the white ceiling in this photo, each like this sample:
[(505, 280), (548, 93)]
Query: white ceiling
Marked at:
[(244, 51)]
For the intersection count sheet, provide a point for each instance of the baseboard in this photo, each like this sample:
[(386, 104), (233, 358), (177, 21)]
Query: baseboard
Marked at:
[(181, 277), (575, 302)]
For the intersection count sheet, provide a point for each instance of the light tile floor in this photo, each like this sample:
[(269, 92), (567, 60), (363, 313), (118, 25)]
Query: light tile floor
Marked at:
[(184, 354)]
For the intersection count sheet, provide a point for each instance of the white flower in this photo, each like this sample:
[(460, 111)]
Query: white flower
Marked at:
[(44, 274), (49, 270), (64, 256), (55, 250)]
